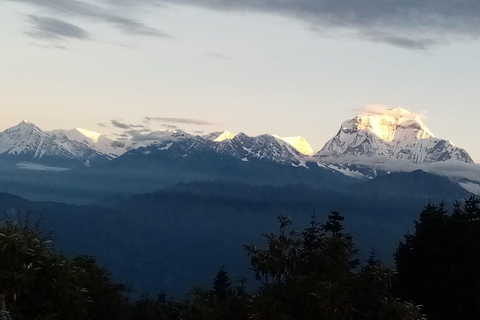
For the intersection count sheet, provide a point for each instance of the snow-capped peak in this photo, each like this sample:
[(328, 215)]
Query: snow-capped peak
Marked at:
[(394, 124), (27, 142), (89, 134), (298, 143), (225, 135), (94, 140), (25, 124), (395, 133), (24, 136)]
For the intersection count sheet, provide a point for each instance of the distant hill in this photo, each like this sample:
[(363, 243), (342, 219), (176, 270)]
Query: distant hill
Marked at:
[(177, 237)]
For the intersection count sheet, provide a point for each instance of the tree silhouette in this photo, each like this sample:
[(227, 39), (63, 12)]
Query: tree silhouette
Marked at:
[(222, 284), (438, 263), (312, 275), (38, 281)]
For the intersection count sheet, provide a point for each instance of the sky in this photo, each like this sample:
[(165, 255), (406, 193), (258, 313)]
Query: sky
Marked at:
[(255, 66)]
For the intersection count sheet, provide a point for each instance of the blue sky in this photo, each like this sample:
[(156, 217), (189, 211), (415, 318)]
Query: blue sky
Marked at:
[(268, 66)]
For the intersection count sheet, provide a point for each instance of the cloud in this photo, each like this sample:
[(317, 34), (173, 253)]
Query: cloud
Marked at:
[(376, 109), (455, 169), (126, 126), (122, 136), (218, 56), (97, 12), (51, 28), (417, 43), (182, 121), (52, 46), (409, 24), (132, 27), (154, 135), (169, 126), (103, 125), (134, 132)]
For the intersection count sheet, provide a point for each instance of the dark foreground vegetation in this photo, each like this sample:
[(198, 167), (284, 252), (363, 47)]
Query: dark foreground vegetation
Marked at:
[(309, 274)]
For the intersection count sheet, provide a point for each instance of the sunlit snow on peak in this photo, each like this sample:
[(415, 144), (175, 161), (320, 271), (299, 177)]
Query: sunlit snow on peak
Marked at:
[(89, 134), (224, 136), (394, 133), (392, 124), (298, 143)]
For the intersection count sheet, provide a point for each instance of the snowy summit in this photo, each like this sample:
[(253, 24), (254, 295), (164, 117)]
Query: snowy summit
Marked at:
[(395, 133)]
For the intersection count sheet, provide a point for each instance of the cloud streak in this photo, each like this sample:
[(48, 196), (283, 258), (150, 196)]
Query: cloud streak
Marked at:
[(182, 121), (409, 24), (51, 28), (169, 126), (96, 12), (151, 136), (103, 125), (378, 109), (126, 126)]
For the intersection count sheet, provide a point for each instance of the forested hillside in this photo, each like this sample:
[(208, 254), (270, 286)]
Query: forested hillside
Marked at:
[(307, 273)]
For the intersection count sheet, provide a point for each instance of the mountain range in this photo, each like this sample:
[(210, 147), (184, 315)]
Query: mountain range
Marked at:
[(149, 207), (395, 134), (365, 147), (77, 147)]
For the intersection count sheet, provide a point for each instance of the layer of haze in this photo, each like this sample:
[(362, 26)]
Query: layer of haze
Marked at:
[(248, 71)]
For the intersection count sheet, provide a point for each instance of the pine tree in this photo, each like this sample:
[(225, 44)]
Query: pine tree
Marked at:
[(438, 264), (222, 284), (472, 208), (457, 208), (372, 260), (320, 281), (240, 290), (334, 224), (313, 242)]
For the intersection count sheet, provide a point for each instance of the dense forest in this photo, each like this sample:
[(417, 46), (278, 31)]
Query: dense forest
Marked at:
[(313, 273)]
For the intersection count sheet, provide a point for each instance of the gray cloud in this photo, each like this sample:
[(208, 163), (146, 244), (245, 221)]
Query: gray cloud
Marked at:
[(169, 126), (182, 121), (126, 126), (120, 125), (409, 24), (97, 13), (51, 28), (376, 109), (134, 132), (52, 46), (132, 4), (103, 125), (135, 28), (154, 135)]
